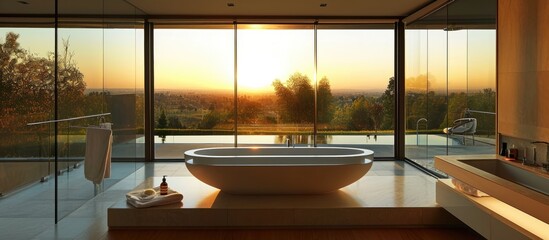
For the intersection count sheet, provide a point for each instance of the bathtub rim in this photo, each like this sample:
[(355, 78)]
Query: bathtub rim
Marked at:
[(365, 152), (366, 155), (191, 162)]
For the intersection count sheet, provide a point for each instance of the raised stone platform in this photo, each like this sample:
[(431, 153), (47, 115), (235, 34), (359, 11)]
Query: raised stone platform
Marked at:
[(372, 201)]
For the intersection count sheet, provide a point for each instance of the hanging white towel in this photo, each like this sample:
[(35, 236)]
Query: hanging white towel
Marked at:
[(97, 163), (108, 125)]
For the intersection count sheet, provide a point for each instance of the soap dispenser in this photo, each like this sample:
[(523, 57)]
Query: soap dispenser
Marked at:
[(164, 186)]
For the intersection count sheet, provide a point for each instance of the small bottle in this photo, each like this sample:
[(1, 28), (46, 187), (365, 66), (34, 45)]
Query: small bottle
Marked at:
[(512, 152), (503, 150), (164, 186)]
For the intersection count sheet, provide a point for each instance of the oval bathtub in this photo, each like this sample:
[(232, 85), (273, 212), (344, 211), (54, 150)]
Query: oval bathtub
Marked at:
[(278, 170)]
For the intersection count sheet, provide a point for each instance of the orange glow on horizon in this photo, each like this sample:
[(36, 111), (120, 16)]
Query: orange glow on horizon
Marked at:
[(203, 59)]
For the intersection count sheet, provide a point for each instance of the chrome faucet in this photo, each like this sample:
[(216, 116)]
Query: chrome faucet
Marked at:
[(289, 141)]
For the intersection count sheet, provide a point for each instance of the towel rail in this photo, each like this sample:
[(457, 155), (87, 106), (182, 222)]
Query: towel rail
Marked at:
[(69, 119), (477, 111)]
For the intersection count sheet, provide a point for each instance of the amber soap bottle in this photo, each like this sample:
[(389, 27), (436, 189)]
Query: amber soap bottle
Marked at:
[(164, 186)]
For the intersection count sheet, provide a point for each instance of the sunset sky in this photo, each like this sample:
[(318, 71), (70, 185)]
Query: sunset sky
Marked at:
[(188, 59)]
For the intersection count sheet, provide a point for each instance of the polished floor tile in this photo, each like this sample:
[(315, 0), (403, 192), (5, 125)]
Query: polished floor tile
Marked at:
[(388, 184), (24, 227)]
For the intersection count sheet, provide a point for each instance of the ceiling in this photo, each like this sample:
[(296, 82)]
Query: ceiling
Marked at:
[(347, 8), (470, 14), (219, 8)]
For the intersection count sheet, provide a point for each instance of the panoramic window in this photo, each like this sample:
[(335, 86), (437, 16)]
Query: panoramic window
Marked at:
[(355, 85), (275, 84), (194, 88), (197, 94)]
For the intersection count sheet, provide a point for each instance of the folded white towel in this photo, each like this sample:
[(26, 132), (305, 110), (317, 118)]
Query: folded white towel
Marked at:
[(468, 189), (140, 199), (97, 162)]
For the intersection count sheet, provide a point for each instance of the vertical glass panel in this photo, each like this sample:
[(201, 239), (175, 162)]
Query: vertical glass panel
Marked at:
[(356, 87), (98, 74), (123, 85), (98, 59), (275, 84), (80, 88), (416, 94), (457, 83), (26, 96), (481, 92), (124, 95), (436, 93), (426, 95), (459, 44), (426, 89), (194, 88)]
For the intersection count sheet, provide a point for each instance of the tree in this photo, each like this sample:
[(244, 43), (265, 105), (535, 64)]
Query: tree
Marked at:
[(388, 103), (359, 114), (174, 122), (71, 84), (210, 120), (27, 84), (376, 114), (27, 88), (457, 103), (484, 100), (325, 108), (296, 100), (342, 117), (162, 120), (248, 110)]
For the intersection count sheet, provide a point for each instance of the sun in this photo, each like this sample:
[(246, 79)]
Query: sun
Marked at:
[(256, 75), (257, 72)]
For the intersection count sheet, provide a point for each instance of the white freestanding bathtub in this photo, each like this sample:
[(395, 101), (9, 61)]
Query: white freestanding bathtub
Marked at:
[(279, 170)]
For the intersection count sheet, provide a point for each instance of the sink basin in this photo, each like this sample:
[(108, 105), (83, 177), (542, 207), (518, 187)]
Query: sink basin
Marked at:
[(522, 187), (512, 173)]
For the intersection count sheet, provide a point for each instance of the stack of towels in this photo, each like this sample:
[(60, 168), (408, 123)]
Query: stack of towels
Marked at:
[(151, 197)]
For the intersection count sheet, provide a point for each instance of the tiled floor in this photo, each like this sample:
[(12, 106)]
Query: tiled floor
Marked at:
[(90, 220)]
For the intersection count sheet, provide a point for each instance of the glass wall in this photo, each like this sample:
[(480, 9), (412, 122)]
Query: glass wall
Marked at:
[(26, 96), (450, 83), (356, 87), (276, 83), (48, 100), (194, 88), (123, 87), (100, 72)]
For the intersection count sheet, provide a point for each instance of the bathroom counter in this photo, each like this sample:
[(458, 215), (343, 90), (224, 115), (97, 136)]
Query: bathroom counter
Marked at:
[(490, 217), (532, 202)]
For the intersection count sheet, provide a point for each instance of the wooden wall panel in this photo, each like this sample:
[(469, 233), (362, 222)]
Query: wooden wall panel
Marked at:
[(523, 64)]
